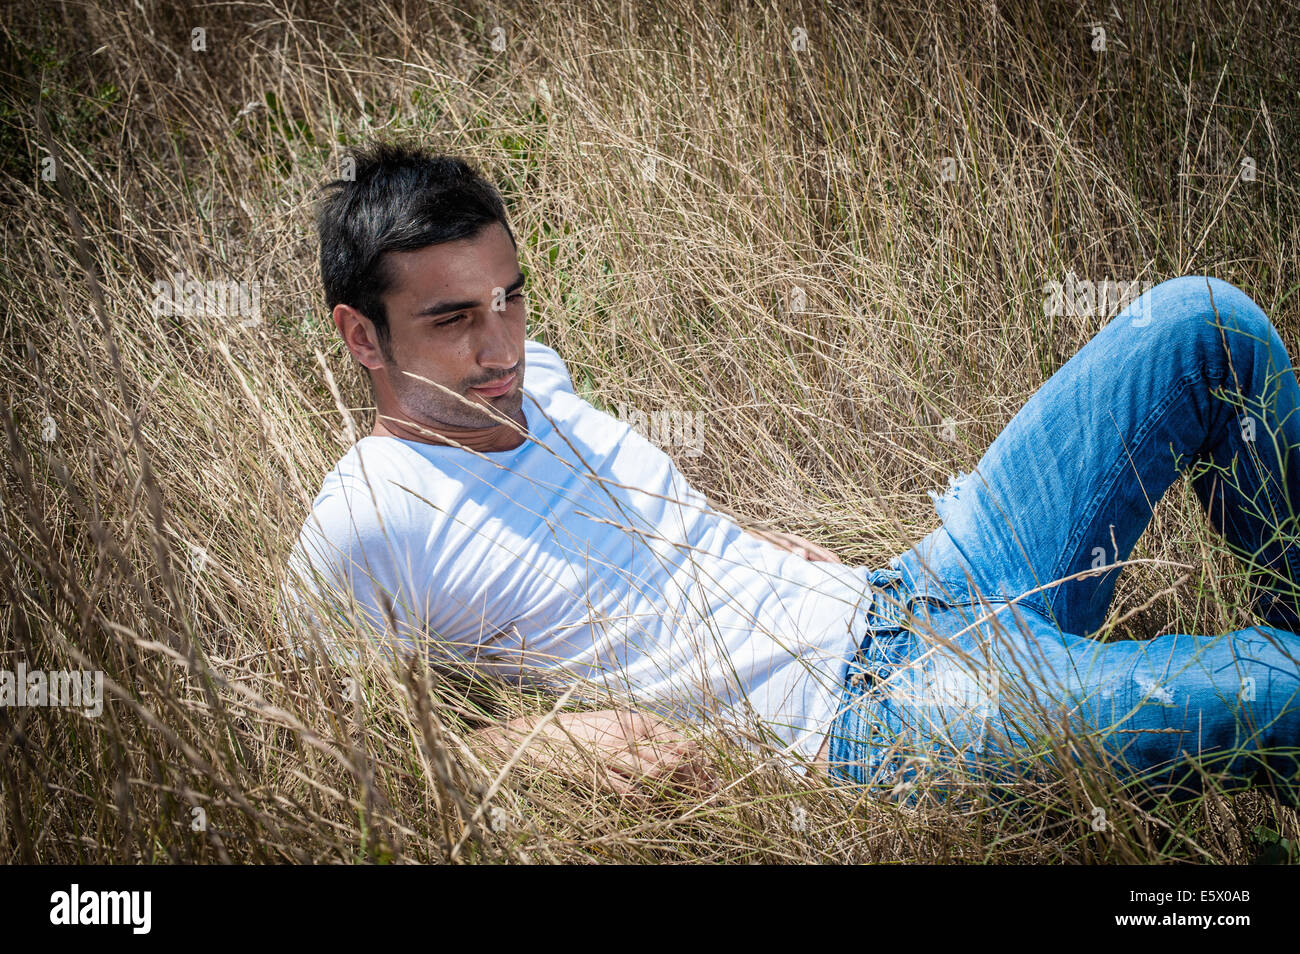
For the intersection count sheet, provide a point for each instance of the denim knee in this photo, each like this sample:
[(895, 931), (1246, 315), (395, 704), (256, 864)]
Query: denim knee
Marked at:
[(1203, 311)]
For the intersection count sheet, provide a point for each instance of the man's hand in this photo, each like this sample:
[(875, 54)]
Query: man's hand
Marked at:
[(796, 545), (622, 751)]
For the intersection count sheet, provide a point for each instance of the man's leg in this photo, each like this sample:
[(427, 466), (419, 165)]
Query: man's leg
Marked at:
[(1068, 487), (1190, 377), (985, 694)]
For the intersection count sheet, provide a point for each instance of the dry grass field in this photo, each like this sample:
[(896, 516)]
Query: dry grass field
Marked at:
[(912, 175)]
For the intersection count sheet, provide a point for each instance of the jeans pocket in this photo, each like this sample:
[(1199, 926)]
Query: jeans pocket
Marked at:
[(909, 705), (867, 726)]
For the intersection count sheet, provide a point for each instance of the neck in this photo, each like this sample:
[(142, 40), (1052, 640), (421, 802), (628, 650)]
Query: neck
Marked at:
[(501, 436)]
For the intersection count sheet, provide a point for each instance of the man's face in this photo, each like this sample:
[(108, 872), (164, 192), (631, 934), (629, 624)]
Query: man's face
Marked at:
[(456, 316)]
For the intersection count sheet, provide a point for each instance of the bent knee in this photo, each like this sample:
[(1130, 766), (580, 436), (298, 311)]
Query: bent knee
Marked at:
[(1209, 318), (1204, 304)]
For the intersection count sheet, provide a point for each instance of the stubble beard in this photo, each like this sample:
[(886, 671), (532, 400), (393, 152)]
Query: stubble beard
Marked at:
[(429, 406)]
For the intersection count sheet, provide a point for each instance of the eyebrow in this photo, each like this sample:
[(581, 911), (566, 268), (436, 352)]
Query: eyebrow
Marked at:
[(443, 307)]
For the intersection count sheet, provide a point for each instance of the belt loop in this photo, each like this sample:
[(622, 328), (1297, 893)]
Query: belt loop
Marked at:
[(884, 597)]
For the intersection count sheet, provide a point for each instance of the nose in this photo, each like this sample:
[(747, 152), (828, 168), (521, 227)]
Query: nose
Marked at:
[(497, 348)]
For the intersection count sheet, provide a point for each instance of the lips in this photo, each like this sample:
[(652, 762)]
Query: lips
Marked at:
[(497, 389)]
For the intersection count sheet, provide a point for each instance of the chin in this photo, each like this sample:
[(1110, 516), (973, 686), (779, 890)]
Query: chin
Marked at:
[(507, 403)]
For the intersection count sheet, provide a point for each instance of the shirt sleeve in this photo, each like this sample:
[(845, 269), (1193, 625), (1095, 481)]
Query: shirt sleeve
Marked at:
[(357, 559)]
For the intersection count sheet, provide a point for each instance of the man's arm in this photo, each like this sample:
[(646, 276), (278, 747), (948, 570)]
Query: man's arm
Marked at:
[(790, 542), (617, 750), (795, 544)]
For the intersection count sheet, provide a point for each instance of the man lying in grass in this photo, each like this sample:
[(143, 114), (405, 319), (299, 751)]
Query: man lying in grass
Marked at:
[(495, 518)]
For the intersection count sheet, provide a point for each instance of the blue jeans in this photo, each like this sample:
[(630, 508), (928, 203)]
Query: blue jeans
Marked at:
[(976, 661)]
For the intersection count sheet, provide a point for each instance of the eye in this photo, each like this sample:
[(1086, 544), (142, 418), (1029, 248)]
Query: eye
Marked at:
[(450, 321)]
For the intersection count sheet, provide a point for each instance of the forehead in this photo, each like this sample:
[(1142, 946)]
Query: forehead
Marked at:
[(468, 268)]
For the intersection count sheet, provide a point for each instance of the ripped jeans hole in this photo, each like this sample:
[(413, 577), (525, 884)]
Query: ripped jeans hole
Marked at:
[(951, 494)]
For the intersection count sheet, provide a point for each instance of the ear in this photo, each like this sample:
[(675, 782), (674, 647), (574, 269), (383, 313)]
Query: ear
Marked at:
[(359, 335)]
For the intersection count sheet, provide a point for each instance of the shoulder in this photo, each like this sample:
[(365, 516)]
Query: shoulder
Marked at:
[(373, 501), (545, 370), (364, 541)]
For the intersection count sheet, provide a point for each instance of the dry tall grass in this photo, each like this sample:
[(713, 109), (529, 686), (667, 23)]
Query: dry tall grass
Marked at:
[(674, 171)]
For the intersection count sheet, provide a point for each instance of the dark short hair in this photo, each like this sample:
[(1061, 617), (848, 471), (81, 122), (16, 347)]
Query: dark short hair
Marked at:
[(400, 198)]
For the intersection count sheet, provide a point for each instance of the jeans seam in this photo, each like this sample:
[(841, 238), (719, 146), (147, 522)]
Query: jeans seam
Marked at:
[(1287, 552)]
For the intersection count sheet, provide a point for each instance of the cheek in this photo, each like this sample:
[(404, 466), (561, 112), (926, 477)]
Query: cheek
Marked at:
[(451, 364), (438, 361), (438, 355)]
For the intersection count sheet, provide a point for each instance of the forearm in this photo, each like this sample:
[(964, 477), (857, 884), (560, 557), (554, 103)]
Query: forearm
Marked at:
[(550, 750), (613, 748)]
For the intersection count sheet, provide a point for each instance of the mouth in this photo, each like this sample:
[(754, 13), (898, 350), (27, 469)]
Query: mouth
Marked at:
[(496, 389)]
